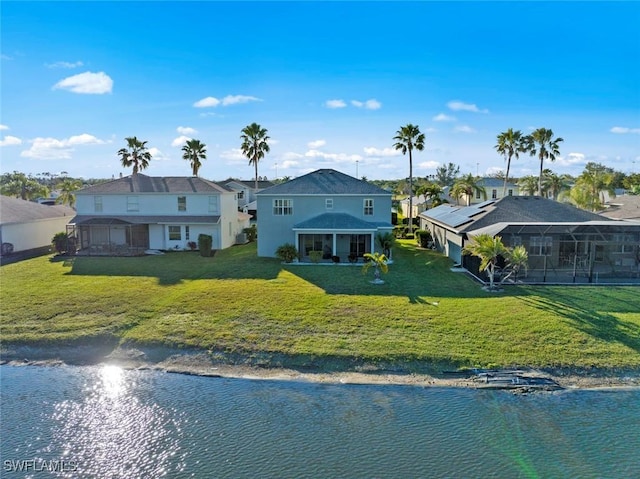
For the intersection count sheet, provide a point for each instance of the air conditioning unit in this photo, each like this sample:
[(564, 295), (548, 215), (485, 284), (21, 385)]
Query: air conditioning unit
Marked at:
[(241, 238)]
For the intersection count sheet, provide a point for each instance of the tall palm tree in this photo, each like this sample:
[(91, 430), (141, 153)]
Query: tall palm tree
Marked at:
[(254, 145), (554, 184), (19, 185), (407, 138), (542, 144), (67, 188), (135, 154), (594, 180), (528, 184), (467, 186), (510, 144), (194, 151)]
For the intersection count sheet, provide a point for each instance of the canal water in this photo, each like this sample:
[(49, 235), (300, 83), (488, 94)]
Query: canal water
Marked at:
[(105, 422)]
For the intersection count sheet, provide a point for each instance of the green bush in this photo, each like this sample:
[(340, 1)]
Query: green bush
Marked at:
[(424, 238), (315, 256), (204, 244), (287, 252), (60, 242), (252, 232)]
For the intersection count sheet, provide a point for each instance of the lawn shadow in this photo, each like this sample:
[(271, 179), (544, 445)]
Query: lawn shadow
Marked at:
[(238, 262), (591, 310)]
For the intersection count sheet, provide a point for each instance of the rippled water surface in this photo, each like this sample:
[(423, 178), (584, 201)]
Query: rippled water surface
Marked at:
[(105, 422)]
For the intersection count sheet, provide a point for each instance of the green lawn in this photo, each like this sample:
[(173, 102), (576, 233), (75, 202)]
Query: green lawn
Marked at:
[(236, 302)]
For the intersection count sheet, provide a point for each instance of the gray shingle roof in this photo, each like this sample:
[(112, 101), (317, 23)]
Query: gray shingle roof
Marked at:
[(336, 221), (154, 184), (325, 182), (623, 207), (16, 210)]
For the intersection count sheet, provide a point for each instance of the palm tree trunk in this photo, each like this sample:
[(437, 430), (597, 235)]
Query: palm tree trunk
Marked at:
[(255, 163), (540, 177), (410, 193), (506, 177)]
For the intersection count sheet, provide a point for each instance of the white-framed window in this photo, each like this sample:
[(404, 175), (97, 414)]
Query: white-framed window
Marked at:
[(478, 193), (282, 207), (540, 245), (186, 233), (175, 233), (328, 203), (97, 204), (213, 204), (132, 203), (510, 192), (494, 194), (368, 207), (240, 194), (182, 203)]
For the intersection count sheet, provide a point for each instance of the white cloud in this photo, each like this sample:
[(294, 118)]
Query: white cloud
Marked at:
[(180, 140), (4, 127), (288, 164), (429, 165), (54, 149), (493, 170), (335, 104), (10, 140), (338, 157), (572, 159), (316, 144), (207, 102), (211, 101), (291, 156), (457, 105), (371, 104), (233, 154), (464, 129), (623, 129), (86, 83), (372, 151), (64, 64), (157, 155), (443, 117), (185, 130), (235, 99)]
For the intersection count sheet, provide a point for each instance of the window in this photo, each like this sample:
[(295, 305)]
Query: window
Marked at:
[(213, 204), (97, 204), (175, 233), (186, 233), (478, 193), (494, 194), (328, 203), (510, 191), (282, 207), (540, 246), (182, 203), (240, 194), (132, 203), (368, 207)]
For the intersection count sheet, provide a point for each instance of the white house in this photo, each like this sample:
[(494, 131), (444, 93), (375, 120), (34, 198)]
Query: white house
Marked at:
[(25, 225), (132, 214)]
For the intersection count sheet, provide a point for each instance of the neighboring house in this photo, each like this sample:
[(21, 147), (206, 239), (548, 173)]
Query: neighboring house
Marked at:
[(324, 211), (421, 203), (565, 244), (493, 187), (132, 214), (246, 191), (624, 207), (27, 226)]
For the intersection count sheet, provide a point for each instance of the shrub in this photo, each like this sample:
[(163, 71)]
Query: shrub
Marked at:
[(424, 238), (192, 245), (315, 256), (204, 244), (287, 252), (60, 242), (252, 232)]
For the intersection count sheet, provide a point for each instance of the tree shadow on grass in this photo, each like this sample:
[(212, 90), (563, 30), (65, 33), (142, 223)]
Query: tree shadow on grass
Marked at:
[(591, 310)]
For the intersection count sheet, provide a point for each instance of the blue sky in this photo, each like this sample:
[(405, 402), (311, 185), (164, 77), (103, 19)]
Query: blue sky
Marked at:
[(331, 81)]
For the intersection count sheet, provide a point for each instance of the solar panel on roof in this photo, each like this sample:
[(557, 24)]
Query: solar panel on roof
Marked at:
[(485, 203), (457, 219)]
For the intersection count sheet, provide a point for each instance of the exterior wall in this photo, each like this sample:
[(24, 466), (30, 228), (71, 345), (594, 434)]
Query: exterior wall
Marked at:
[(275, 230), (34, 234), (149, 204)]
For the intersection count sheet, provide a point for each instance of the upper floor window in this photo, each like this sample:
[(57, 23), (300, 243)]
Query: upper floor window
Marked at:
[(213, 204), (478, 193), (540, 246), (368, 207), (494, 194), (182, 203), (328, 203), (510, 191), (282, 207), (132, 203), (240, 194), (97, 204)]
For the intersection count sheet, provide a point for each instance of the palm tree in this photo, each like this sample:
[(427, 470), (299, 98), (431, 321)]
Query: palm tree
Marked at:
[(379, 263), (135, 154), (431, 191), (554, 184), (194, 151), (528, 184), (407, 138), (19, 185), (467, 186), (595, 179), (254, 145), (67, 188), (542, 144), (510, 144), (488, 249)]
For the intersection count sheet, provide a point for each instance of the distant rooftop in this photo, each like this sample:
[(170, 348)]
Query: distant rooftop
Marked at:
[(140, 183), (16, 210), (325, 182)]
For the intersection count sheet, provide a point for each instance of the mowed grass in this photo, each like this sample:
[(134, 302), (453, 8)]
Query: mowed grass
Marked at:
[(236, 302)]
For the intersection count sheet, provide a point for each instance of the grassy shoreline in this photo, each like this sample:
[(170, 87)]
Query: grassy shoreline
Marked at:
[(235, 303)]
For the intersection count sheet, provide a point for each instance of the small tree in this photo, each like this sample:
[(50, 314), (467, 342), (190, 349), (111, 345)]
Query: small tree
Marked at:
[(385, 241), (489, 248), (60, 242), (205, 242), (379, 263), (287, 252)]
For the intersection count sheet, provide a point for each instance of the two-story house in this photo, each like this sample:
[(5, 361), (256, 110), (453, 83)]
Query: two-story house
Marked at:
[(246, 192), (132, 214), (324, 211)]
